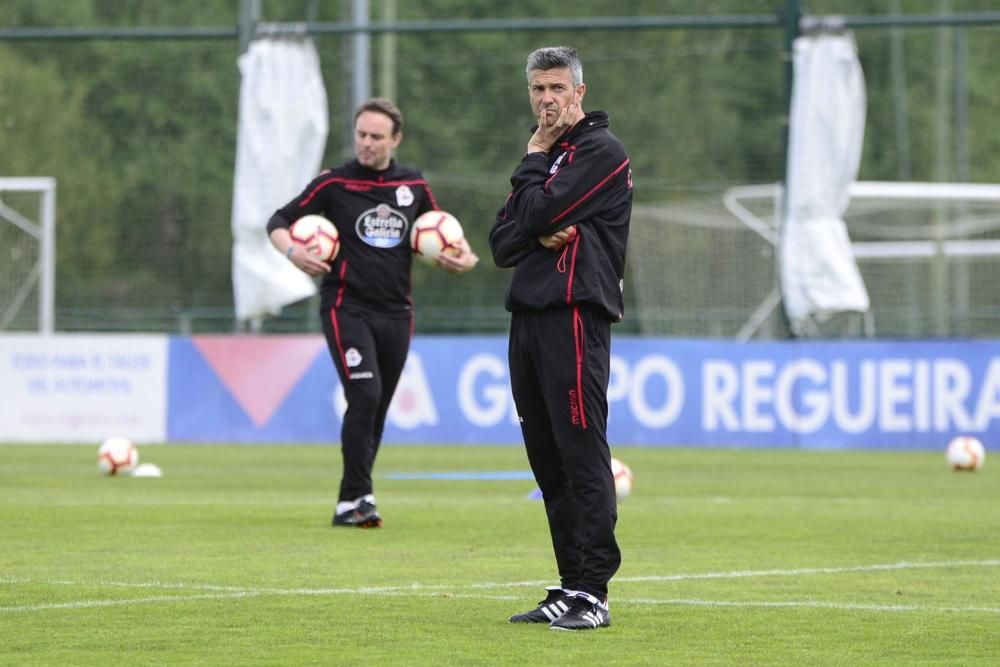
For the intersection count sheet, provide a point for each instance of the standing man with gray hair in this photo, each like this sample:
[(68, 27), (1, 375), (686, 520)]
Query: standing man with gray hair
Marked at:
[(564, 229)]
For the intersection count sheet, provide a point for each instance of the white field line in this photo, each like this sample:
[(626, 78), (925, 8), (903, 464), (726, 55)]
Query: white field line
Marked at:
[(813, 604), (221, 592), (759, 604), (818, 570), (91, 604), (741, 574)]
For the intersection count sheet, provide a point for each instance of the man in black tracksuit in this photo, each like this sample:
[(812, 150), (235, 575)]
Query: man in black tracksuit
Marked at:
[(366, 309), (564, 229)]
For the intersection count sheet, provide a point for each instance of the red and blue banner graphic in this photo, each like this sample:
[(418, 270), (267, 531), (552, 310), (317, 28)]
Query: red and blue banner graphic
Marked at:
[(663, 392)]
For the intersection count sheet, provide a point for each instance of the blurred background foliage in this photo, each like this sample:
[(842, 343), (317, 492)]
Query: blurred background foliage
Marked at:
[(141, 135)]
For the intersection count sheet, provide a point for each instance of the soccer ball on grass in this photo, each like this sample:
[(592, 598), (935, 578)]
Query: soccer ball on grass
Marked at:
[(966, 453), (317, 235), (623, 478), (435, 232), (117, 455)]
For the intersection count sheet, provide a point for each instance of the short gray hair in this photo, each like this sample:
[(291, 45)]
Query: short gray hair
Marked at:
[(556, 57)]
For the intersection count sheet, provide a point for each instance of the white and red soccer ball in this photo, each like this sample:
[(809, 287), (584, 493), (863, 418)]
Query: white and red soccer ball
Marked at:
[(623, 478), (317, 235), (965, 453), (116, 456), (435, 232)]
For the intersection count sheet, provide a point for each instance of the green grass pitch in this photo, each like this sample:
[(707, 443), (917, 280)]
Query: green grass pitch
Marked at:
[(731, 557)]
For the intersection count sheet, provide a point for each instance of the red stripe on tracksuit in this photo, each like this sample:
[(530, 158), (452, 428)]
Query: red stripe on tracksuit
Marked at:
[(358, 183), (585, 197), (578, 345), (572, 270), (578, 328), (561, 267), (335, 322)]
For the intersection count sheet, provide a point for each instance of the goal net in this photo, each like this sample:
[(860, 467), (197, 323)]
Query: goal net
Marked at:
[(27, 245), (928, 253), (695, 270)]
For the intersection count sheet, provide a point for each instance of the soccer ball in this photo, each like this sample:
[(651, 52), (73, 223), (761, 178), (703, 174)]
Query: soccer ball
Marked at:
[(623, 479), (966, 453), (435, 232), (117, 455), (317, 235)]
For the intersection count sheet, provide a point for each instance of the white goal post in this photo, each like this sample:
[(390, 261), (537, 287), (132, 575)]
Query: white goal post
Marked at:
[(736, 198), (932, 222), (42, 273)]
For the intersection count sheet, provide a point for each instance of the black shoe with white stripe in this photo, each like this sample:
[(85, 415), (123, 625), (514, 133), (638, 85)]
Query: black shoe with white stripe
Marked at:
[(552, 607), (585, 613), (364, 515)]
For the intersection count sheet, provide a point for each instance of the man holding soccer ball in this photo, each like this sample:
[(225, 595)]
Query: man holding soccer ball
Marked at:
[(366, 308), (564, 229)]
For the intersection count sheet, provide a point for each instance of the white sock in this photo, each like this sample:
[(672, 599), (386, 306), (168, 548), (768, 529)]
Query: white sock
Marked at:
[(346, 506), (370, 498)]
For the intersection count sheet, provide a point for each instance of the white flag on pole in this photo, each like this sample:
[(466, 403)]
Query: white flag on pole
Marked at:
[(281, 137), (819, 275)]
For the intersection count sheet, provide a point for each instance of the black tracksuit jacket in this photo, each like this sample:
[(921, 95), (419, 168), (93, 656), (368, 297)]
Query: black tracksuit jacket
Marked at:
[(373, 211), (584, 180), (562, 304)]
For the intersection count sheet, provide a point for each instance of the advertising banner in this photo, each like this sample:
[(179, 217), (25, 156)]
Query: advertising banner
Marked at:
[(456, 390), (662, 392), (82, 388)]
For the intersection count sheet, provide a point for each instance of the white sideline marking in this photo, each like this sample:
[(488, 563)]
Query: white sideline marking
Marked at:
[(740, 574), (221, 592), (89, 604), (815, 604), (904, 565), (764, 604)]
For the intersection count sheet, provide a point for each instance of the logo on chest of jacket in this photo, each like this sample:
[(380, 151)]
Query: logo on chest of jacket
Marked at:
[(555, 165), (404, 196), (382, 226)]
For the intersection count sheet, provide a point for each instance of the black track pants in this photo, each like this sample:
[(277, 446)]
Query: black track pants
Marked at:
[(369, 353), (559, 369)]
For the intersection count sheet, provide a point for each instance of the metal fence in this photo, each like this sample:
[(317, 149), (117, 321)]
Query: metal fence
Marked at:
[(137, 123)]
